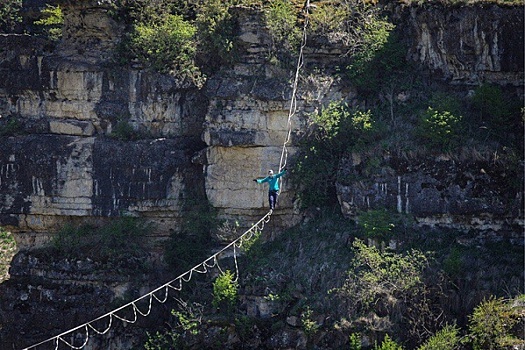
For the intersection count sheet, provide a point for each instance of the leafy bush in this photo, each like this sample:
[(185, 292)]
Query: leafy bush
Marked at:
[(355, 341), (7, 251), (215, 32), (490, 325), (51, 22), (440, 129), (10, 15), (225, 290), (281, 18), (121, 237), (167, 46), (124, 131), (390, 286), (310, 327), (377, 224), (388, 344), (496, 114), (447, 338), (162, 341), (335, 132), (10, 126), (189, 246)]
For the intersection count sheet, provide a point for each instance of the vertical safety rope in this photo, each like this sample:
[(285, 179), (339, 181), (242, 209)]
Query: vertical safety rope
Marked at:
[(293, 99), (176, 284)]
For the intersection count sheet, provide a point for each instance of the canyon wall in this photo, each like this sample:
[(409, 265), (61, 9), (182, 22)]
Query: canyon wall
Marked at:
[(70, 100), (68, 163)]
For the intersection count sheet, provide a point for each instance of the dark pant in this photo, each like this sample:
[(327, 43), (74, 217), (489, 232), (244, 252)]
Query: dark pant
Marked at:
[(272, 198)]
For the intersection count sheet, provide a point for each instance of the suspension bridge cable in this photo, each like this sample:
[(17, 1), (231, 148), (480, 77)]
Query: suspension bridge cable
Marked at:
[(202, 268)]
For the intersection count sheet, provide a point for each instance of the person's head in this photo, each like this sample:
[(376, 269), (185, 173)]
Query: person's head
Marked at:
[(270, 172)]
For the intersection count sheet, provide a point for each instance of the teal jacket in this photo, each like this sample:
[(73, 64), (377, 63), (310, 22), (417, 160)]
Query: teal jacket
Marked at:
[(272, 180)]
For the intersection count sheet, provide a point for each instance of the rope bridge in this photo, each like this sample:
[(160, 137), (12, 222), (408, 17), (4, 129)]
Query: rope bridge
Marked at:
[(160, 294)]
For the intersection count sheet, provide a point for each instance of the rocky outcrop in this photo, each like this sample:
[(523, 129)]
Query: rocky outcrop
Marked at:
[(469, 196), (467, 44), (66, 164)]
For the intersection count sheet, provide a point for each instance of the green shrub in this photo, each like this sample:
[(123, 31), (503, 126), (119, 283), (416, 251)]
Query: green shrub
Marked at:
[(225, 290), (447, 338), (51, 22), (281, 18), (336, 131), (355, 341), (10, 126), (7, 251), (388, 344), (386, 276), (10, 15), (377, 224), (124, 131), (440, 130), (490, 325), (122, 237), (310, 327), (162, 341), (379, 60), (167, 46), (190, 245), (215, 32), (497, 116)]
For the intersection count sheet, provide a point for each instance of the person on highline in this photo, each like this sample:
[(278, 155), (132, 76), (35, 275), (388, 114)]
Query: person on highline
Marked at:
[(273, 189)]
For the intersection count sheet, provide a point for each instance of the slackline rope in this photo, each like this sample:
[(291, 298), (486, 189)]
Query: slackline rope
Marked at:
[(293, 99), (160, 294)]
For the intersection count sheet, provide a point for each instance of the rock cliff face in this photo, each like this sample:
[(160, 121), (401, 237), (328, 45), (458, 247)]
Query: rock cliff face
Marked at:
[(208, 144), (467, 45), (69, 101)]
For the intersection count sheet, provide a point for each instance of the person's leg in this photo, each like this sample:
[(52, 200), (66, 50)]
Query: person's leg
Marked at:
[(271, 199)]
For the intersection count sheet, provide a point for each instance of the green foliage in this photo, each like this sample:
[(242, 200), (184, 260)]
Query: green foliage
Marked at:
[(188, 321), (452, 264), (375, 274), (225, 289), (380, 59), (189, 246), (328, 18), (310, 327), (336, 131), (168, 46), (252, 246), (162, 341), (355, 341), (10, 15), (10, 126), (281, 18), (51, 22), (490, 325), (496, 114), (7, 251), (388, 344), (122, 237), (215, 32), (377, 224), (123, 131), (440, 129), (447, 338)]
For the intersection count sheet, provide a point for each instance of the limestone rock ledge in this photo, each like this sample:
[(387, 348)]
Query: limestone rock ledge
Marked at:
[(470, 196), (49, 180)]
